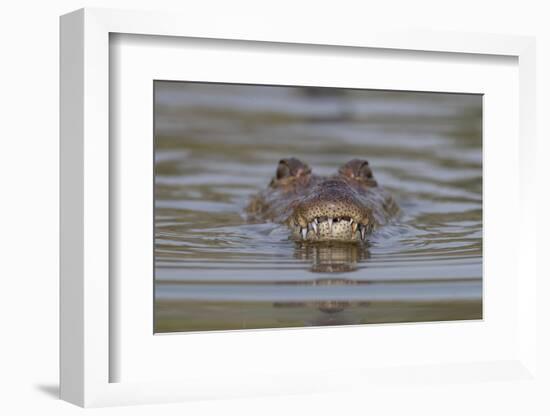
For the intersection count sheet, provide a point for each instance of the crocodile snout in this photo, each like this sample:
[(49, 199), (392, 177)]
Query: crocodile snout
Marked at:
[(332, 210)]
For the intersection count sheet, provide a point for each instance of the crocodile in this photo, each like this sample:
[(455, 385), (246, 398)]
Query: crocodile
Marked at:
[(347, 206)]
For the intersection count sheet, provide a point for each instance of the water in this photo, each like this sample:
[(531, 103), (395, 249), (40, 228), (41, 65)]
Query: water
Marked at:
[(217, 145)]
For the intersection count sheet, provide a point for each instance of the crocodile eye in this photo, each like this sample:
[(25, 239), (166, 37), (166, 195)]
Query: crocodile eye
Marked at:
[(291, 167), (357, 169), (283, 170), (365, 171)]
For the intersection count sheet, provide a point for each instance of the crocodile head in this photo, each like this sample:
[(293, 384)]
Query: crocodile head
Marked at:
[(346, 206)]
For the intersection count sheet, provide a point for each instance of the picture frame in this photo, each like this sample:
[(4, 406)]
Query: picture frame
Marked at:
[(89, 296)]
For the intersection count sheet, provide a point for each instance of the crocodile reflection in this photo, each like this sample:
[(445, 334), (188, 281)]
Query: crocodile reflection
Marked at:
[(333, 257), (329, 258), (331, 311)]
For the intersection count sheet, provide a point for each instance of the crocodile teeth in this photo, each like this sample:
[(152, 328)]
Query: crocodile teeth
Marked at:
[(354, 226), (330, 224), (363, 230), (303, 231), (314, 226)]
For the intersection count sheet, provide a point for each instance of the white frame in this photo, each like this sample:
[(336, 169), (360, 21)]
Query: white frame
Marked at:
[(138, 60), (85, 191)]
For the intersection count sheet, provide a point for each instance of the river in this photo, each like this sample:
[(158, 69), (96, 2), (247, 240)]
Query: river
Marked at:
[(216, 145)]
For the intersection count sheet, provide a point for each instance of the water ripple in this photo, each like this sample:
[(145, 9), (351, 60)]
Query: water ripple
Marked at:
[(216, 147)]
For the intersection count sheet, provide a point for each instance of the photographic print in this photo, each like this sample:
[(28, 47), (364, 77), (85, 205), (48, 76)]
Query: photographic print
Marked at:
[(292, 206)]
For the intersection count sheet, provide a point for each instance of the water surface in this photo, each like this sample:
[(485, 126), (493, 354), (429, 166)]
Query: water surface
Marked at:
[(217, 145)]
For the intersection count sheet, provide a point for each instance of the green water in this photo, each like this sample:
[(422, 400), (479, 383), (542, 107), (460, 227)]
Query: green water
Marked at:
[(216, 145)]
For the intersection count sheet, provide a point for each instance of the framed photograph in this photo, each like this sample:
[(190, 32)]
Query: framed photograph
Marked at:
[(270, 212), (249, 238)]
